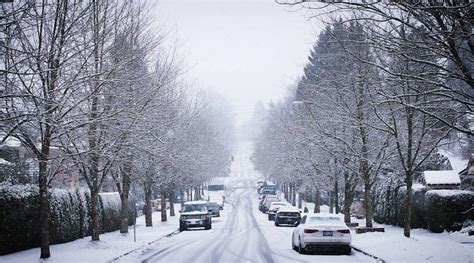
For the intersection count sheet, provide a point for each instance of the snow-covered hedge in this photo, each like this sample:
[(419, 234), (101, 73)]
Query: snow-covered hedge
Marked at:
[(390, 206), (445, 209), (69, 216), (436, 210)]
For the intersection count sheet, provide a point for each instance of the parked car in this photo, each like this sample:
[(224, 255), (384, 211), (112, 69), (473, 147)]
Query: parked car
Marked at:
[(267, 202), (273, 209), (262, 200), (271, 186), (287, 215), (267, 190), (260, 184), (214, 209), (195, 214), (321, 231)]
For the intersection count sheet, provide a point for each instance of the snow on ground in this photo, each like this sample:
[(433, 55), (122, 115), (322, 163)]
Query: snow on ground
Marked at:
[(109, 247), (423, 246), (244, 234)]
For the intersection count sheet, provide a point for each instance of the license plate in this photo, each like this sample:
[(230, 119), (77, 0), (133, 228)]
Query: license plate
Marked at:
[(327, 233)]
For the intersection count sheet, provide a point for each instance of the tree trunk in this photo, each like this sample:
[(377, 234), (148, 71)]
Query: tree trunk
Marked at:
[(368, 205), (148, 207), (336, 196), (290, 194), (181, 192), (163, 206), (44, 209), (348, 199), (197, 195), (171, 197), (317, 201), (95, 214), (300, 200), (293, 195), (406, 230), (126, 182), (125, 210), (331, 205)]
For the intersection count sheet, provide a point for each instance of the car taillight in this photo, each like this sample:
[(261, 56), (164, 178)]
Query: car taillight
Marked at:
[(309, 231), (344, 231)]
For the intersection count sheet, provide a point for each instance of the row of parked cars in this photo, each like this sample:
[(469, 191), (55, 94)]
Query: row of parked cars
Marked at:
[(313, 232)]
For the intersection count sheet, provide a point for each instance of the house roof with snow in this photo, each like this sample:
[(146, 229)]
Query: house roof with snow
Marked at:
[(448, 177)]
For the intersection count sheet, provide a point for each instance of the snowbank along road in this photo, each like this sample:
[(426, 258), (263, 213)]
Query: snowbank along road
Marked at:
[(241, 234)]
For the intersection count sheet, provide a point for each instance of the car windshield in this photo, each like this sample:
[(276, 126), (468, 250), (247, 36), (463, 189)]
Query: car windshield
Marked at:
[(195, 208), (212, 205)]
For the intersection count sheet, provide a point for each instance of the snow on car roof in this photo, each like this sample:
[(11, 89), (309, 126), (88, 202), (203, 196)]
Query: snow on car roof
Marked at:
[(288, 209), (441, 177), (196, 203), (279, 204)]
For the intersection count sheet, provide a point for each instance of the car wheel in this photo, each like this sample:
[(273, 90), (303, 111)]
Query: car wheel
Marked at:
[(182, 228), (276, 223), (347, 250), (301, 250), (295, 248), (219, 214)]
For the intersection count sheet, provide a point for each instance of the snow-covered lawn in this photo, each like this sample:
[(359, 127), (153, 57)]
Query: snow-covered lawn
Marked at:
[(423, 246), (112, 244)]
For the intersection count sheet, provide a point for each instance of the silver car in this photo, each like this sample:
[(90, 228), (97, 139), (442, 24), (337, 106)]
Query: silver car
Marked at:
[(195, 214), (321, 231), (214, 209)]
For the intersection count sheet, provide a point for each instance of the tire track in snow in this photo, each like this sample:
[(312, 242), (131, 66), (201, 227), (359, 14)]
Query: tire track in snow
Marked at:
[(264, 251)]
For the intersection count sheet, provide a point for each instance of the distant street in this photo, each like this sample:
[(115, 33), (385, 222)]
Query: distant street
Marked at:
[(241, 234)]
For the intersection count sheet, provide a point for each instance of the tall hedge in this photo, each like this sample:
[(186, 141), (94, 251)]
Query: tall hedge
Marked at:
[(69, 216), (436, 210), (446, 209), (390, 206)]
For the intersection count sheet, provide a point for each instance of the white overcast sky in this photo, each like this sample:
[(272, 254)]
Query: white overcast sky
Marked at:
[(245, 50)]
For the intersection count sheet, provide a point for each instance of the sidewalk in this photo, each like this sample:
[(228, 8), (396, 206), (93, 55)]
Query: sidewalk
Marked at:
[(110, 246)]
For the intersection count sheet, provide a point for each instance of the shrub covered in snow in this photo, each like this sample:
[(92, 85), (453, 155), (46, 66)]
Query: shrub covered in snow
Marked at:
[(445, 209), (69, 216), (436, 210), (390, 206)]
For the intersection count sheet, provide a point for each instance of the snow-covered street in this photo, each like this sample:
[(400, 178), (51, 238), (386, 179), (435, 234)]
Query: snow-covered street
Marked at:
[(241, 234)]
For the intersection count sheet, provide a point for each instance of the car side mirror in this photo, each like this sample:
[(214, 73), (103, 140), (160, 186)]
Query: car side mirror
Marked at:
[(210, 210), (300, 212), (179, 211)]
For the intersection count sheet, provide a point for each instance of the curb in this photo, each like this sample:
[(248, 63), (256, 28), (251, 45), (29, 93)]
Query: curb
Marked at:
[(147, 244), (368, 254)]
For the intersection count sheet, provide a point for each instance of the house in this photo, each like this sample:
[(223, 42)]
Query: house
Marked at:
[(448, 179), (467, 175)]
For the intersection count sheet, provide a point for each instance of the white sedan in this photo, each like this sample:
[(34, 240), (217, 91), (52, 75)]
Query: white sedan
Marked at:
[(320, 231)]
